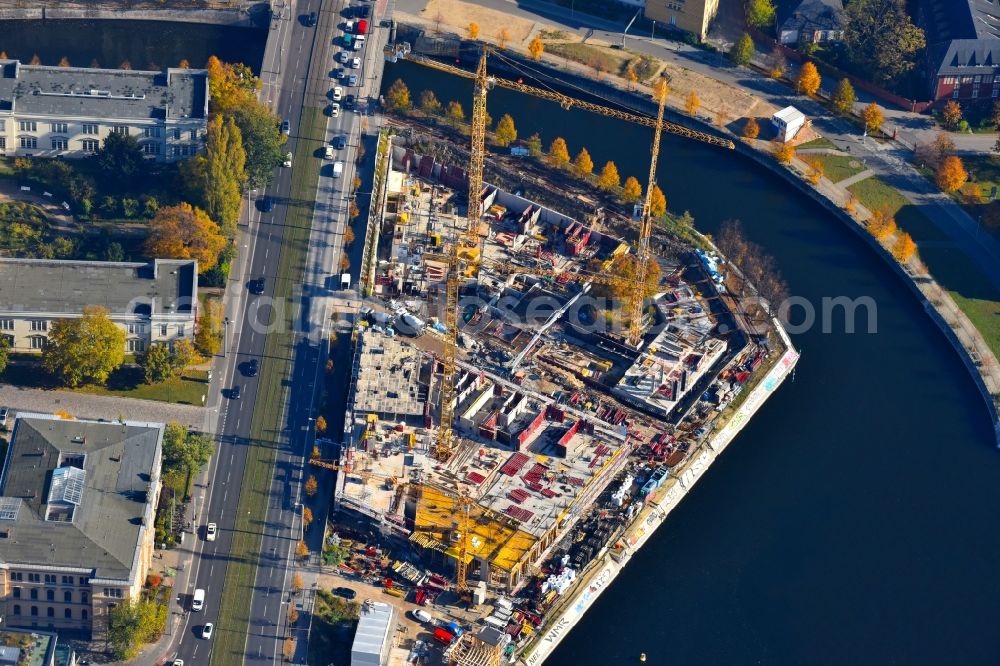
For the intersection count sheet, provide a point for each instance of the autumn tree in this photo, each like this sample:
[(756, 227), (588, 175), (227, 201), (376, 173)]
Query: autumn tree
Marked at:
[(302, 550), (808, 80), (157, 364), (881, 39), (777, 63), (742, 51), (207, 335), (843, 97), (657, 202), (631, 190), (503, 36), (873, 117), (631, 75), (293, 614), (307, 516), (473, 30), (559, 152), (609, 178), (505, 132), (760, 13), (185, 232), (783, 152), (64, 62), (692, 103), (297, 579), (288, 648), (349, 234), (583, 164), (903, 247), (84, 350), (661, 89), (125, 64), (951, 175), (534, 145), (951, 114), (35, 60), (311, 485), (455, 112), (851, 205), (750, 128), (184, 64), (536, 48), (429, 102), (814, 170), (397, 97), (230, 86), (320, 424), (881, 224)]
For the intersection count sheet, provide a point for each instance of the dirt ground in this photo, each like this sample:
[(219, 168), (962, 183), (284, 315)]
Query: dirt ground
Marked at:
[(457, 15)]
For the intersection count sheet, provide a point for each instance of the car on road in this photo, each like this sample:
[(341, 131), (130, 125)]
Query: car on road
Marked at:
[(338, 169), (3, 417), (286, 127), (267, 204), (345, 592), (336, 93), (339, 142), (311, 19), (177, 662), (252, 368), (206, 631), (211, 530), (288, 160), (343, 56), (422, 616), (356, 63), (198, 600), (349, 102), (257, 286), (352, 80), (234, 393), (328, 153), (334, 110)]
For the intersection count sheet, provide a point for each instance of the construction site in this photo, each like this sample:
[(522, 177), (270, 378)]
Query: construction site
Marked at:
[(523, 384)]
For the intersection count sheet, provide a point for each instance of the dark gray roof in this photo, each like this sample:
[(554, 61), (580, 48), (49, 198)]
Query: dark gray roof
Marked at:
[(119, 461), (810, 15), (966, 57), (103, 93), (54, 286)]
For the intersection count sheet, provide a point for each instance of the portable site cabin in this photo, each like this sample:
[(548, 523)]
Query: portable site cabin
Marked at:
[(787, 123)]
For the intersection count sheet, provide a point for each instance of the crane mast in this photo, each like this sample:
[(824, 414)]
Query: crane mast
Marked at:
[(645, 230)]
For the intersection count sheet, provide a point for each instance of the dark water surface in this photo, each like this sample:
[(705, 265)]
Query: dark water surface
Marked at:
[(145, 44), (857, 518)]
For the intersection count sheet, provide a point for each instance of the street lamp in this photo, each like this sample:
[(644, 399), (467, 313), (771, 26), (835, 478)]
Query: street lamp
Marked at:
[(225, 337)]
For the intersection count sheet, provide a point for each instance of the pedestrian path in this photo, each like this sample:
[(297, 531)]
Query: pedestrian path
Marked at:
[(847, 182)]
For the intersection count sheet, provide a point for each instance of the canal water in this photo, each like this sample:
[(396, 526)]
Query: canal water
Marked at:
[(855, 519), (145, 44)]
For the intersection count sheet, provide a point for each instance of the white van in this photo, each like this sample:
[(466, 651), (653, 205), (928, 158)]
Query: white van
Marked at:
[(422, 616), (328, 153), (338, 169), (198, 600)]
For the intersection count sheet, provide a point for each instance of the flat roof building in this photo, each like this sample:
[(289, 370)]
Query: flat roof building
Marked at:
[(386, 377), (374, 637), (153, 302), (77, 503), (69, 111)]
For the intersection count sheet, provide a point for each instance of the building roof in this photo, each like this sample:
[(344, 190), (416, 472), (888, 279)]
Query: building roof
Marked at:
[(374, 632), (28, 647), (789, 115), (112, 94), (809, 15), (945, 20), (78, 493), (966, 57), (163, 286)]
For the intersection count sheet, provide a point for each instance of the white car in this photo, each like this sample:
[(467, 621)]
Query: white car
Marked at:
[(356, 63), (210, 531), (177, 662), (288, 160), (334, 110), (422, 616), (337, 93), (343, 57), (206, 631)]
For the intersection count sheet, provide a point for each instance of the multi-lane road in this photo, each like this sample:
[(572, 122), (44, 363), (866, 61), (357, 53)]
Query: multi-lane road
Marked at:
[(296, 83)]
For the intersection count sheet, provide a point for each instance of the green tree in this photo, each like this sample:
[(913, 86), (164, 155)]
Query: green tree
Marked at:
[(4, 353), (558, 151), (215, 180), (262, 142), (881, 38), (657, 202), (86, 349), (429, 103), (185, 451), (632, 190), (535, 145), (583, 163), (760, 13), (742, 50), (843, 98), (184, 354), (119, 162), (455, 112), (609, 178), (397, 97), (505, 132), (132, 623), (207, 337), (157, 364)]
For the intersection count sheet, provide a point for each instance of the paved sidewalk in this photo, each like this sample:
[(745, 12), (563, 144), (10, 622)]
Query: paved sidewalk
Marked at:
[(847, 182), (111, 408)]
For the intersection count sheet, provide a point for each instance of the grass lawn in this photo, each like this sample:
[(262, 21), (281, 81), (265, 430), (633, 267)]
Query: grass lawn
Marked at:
[(599, 58), (971, 289), (837, 167), (820, 142), (875, 194)]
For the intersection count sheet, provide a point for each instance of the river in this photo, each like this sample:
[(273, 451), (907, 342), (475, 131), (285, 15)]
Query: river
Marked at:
[(854, 520), (145, 44)]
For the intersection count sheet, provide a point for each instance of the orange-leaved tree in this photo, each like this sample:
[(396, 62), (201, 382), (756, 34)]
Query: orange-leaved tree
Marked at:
[(951, 175), (185, 232)]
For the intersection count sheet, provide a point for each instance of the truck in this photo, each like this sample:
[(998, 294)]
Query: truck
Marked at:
[(362, 27), (443, 637)]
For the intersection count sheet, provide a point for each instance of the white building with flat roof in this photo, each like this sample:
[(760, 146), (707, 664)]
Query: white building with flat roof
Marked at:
[(787, 123), (374, 638)]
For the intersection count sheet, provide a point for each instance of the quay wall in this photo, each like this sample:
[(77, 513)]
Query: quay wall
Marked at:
[(606, 568), (230, 17)]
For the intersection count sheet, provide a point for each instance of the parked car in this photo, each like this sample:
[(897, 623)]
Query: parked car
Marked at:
[(356, 63), (337, 93), (334, 110), (349, 102), (343, 57), (288, 160), (352, 80), (328, 153), (3, 417), (339, 142), (210, 531), (422, 616), (345, 592), (177, 662), (338, 169), (206, 631)]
